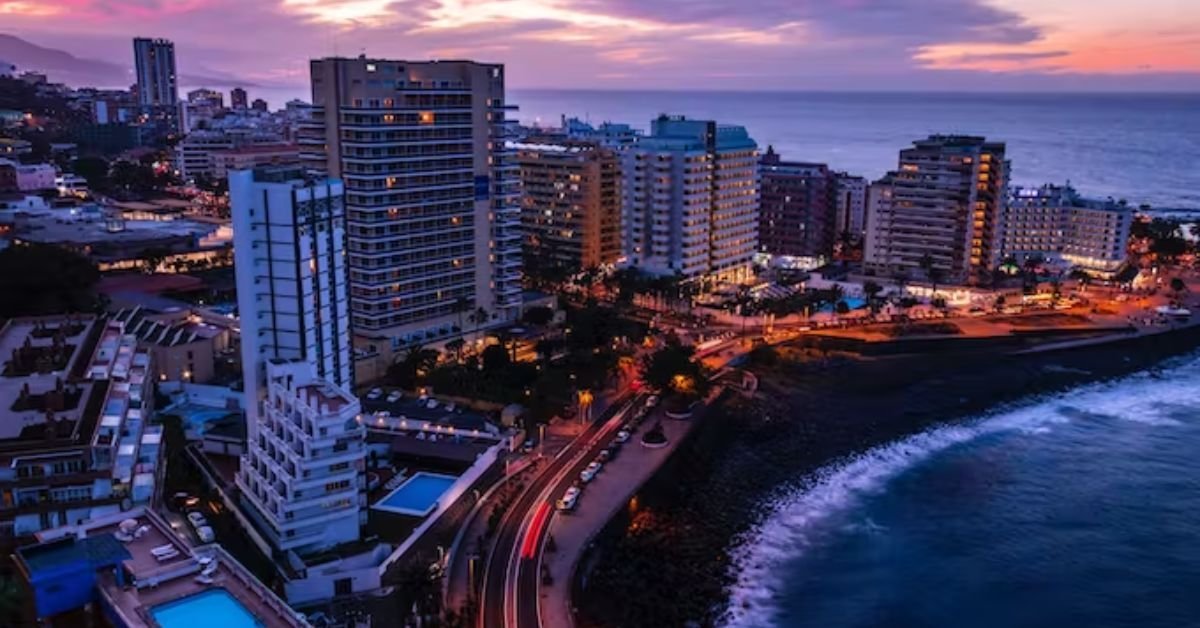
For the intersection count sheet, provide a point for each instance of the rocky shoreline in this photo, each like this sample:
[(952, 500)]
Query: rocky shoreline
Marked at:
[(666, 560)]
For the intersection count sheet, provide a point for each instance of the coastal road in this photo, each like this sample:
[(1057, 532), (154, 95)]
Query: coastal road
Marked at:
[(509, 596)]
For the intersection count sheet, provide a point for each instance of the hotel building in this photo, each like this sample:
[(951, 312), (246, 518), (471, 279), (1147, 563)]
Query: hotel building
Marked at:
[(691, 200), (76, 395), (944, 202), (571, 202), (154, 63), (1054, 223), (432, 193), (798, 216), (303, 472)]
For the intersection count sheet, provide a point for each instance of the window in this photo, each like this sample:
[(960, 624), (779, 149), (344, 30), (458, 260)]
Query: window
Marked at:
[(343, 586)]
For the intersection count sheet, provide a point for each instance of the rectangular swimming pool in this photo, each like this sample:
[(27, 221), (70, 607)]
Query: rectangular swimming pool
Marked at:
[(214, 607), (418, 496)]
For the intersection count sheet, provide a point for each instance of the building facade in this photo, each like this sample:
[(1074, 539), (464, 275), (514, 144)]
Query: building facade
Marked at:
[(1054, 223), (303, 472), (238, 98), (570, 203), (798, 215), (76, 443), (691, 200), (943, 206), (850, 204), (432, 193), (154, 63)]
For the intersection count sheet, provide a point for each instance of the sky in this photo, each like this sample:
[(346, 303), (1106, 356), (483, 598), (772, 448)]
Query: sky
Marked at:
[(910, 45)]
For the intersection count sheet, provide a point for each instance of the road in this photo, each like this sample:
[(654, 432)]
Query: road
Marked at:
[(509, 596)]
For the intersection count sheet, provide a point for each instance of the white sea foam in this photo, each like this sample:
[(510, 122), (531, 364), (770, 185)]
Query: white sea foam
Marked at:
[(787, 532)]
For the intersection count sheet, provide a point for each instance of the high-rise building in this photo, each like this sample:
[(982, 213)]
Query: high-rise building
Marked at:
[(797, 216), (570, 203), (302, 473), (943, 206), (432, 192), (154, 62), (238, 98), (850, 204), (1054, 223), (259, 105), (691, 200)]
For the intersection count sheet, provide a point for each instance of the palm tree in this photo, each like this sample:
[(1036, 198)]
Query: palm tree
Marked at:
[(462, 305), (872, 289), (456, 346), (478, 318)]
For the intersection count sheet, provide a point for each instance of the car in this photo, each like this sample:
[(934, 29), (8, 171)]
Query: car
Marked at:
[(589, 472), (623, 436), (205, 534), (395, 396), (527, 446), (375, 393), (569, 499), (641, 413), (652, 401), (604, 456), (612, 450), (196, 519)]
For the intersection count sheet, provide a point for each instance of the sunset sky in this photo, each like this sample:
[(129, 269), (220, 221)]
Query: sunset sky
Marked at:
[(675, 44)]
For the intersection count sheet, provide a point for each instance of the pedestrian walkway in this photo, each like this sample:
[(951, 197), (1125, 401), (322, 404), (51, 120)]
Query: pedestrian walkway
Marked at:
[(602, 498)]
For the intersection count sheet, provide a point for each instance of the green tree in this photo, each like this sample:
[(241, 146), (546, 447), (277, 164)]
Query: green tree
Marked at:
[(152, 258), (41, 279), (539, 316), (673, 368), (872, 289), (495, 358)]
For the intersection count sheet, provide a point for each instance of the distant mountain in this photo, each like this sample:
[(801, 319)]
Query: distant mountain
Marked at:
[(63, 67)]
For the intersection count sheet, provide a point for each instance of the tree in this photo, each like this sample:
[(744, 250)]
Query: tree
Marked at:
[(462, 305), (998, 304), (1178, 287), (495, 358), (39, 279), (152, 258), (456, 347), (932, 272), (478, 318), (95, 170), (417, 362), (872, 290), (673, 368), (539, 316)]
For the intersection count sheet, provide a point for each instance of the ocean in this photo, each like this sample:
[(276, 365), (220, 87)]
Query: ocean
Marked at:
[(1076, 509), (1142, 148)]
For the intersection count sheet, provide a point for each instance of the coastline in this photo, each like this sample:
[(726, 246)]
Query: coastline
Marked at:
[(670, 559)]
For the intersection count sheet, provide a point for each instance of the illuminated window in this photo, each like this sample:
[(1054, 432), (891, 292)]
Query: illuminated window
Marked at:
[(425, 117)]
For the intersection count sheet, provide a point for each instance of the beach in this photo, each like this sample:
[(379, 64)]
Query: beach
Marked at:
[(670, 557)]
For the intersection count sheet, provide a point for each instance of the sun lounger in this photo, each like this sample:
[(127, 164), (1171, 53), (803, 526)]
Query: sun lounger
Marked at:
[(140, 532), (203, 579), (162, 558), (210, 569), (163, 549), (122, 537)]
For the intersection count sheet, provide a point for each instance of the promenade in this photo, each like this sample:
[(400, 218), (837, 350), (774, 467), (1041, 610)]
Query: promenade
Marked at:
[(602, 498)]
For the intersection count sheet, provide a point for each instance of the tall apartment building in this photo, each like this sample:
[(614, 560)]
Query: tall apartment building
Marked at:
[(850, 204), (76, 442), (238, 98), (432, 192), (1055, 223), (302, 473), (944, 202), (798, 215), (154, 62), (691, 200), (571, 202)]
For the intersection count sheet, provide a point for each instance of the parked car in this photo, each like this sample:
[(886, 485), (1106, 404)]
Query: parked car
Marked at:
[(603, 456), (569, 499), (652, 401), (623, 436), (395, 396), (196, 519), (589, 472), (205, 534), (612, 450), (374, 394), (527, 446)]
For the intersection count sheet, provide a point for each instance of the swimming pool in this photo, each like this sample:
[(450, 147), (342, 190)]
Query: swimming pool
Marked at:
[(418, 496), (215, 607), (854, 303), (197, 417)]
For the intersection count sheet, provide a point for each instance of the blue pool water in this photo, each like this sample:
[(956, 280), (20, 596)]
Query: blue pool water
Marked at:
[(418, 495), (214, 607), (197, 417), (855, 303)]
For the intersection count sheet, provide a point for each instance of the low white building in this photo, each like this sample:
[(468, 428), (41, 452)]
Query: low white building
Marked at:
[(1054, 223)]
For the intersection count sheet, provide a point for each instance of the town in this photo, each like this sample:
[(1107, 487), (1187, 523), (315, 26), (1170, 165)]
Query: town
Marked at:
[(390, 357)]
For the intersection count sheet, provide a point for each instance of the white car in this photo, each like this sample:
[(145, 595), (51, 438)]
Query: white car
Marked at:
[(395, 396), (568, 500), (589, 472), (623, 436), (205, 534), (374, 394), (196, 519)]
